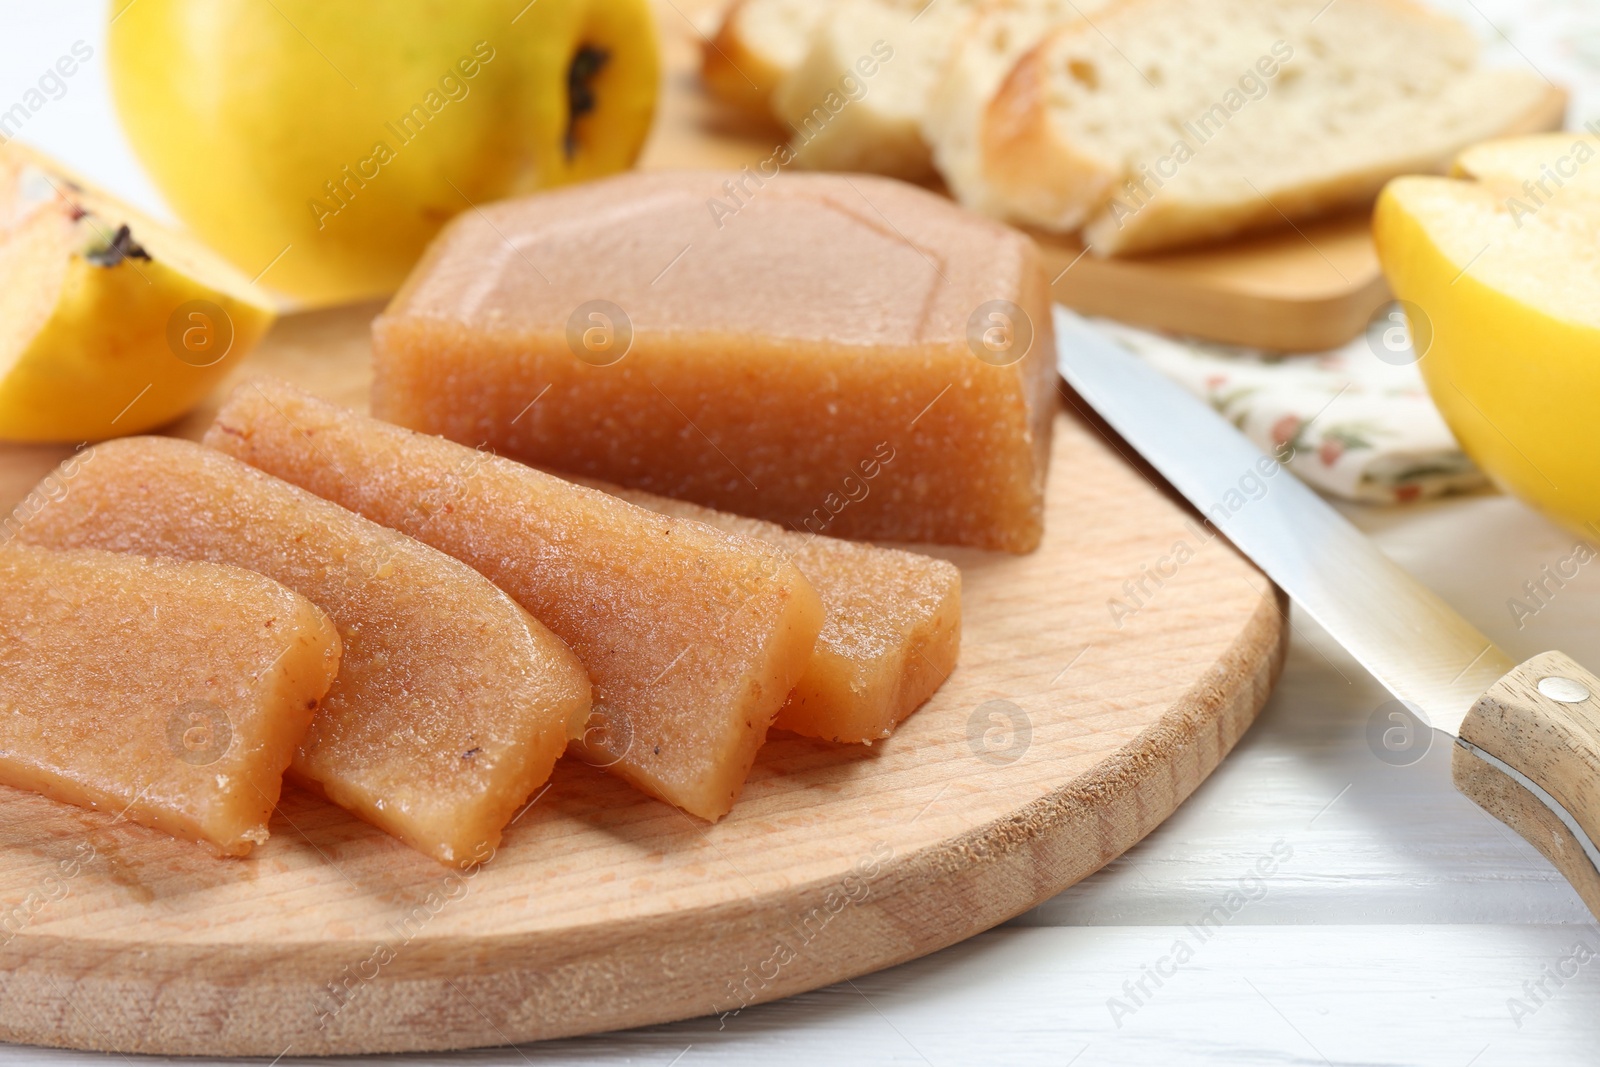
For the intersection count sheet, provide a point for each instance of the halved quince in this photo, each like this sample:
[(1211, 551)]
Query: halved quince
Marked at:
[(1530, 173), (110, 323), (1503, 262)]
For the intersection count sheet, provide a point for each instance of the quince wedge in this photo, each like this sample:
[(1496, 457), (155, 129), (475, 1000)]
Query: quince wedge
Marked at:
[(1498, 271), (110, 323)]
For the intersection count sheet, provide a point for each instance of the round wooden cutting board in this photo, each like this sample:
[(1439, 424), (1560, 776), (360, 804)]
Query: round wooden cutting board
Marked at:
[(1101, 679)]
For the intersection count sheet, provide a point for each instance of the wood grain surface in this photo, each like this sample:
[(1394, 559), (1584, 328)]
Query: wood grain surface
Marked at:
[(1555, 742), (1063, 737), (1067, 733), (1307, 289)]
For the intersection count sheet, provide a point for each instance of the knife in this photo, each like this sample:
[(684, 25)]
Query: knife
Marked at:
[(1526, 736)]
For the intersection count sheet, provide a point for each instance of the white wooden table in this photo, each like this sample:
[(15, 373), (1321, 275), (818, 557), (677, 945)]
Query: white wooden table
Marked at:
[(1405, 926)]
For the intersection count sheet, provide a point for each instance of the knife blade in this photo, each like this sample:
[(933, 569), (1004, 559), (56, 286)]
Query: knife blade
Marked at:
[(1535, 728), (1420, 648)]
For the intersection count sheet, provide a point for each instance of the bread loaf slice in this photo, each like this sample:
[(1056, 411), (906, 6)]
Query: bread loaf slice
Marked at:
[(856, 101), (1168, 122), (983, 52), (759, 43)]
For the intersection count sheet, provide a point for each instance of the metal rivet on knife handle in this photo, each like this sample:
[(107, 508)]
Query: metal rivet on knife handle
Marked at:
[(1563, 689)]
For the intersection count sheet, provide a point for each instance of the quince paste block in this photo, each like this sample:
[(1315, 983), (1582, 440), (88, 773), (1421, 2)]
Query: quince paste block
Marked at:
[(169, 693), (693, 638), (452, 704), (753, 347), (891, 629)]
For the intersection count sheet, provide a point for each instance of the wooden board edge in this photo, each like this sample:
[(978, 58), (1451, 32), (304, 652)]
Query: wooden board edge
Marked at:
[(538, 987), (1236, 317)]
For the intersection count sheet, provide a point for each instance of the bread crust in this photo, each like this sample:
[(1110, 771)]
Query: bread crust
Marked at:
[(1040, 176), (878, 131), (735, 70), (986, 49), (1175, 223), (1019, 142)]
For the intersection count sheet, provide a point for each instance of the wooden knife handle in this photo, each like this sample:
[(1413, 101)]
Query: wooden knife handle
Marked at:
[(1540, 723)]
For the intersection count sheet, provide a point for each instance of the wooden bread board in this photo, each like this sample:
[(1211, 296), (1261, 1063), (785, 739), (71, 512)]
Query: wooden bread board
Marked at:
[(1064, 736), (1307, 287), (1061, 739)]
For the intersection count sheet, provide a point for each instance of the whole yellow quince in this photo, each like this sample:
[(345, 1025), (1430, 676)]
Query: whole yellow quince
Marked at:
[(325, 144), (1502, 266)]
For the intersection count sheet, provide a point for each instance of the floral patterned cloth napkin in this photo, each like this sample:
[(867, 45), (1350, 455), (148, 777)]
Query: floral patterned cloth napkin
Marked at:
[(1364, 428), (1361, 428)]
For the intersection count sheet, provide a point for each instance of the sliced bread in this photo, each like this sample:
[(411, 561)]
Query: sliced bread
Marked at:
[(1166, 122), (856, 101), (982, 54), (759, 43)]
